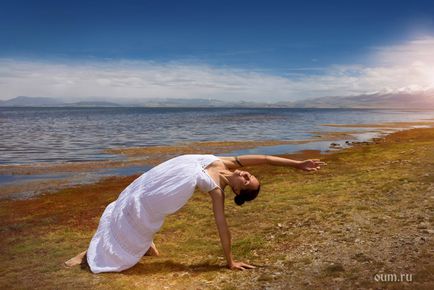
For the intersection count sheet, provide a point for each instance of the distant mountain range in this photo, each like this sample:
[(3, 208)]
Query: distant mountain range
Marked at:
[(23, 101), (397, 100)]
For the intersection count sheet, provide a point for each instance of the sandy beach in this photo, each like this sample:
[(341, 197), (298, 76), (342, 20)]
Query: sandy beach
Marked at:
[(366, 215)]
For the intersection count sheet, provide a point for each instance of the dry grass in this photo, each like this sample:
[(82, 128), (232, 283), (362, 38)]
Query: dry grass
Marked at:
[(369, 211)]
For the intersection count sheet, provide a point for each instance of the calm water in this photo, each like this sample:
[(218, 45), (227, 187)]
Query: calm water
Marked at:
[(76, 134)]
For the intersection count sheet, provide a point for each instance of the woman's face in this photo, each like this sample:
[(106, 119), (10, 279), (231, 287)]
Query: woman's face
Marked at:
[(244, 180)]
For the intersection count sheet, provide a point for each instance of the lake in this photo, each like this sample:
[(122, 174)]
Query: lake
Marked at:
[(31, 135)]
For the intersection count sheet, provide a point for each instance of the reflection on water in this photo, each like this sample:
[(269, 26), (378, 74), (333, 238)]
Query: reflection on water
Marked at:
[(76, 134)]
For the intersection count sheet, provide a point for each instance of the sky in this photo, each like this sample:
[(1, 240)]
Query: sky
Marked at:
[(263, 51)]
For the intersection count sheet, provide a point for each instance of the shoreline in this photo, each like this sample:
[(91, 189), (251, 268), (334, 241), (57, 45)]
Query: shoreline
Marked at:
[(369, 211), (29, 180)]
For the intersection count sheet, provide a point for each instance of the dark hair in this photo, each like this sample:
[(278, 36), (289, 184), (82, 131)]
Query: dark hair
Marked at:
[(246, 195)]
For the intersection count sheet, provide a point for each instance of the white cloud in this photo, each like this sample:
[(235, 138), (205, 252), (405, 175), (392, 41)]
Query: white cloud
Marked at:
[(135, 80), (408, 65)]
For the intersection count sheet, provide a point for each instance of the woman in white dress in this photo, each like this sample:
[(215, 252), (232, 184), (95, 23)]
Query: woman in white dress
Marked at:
[(127, 226)]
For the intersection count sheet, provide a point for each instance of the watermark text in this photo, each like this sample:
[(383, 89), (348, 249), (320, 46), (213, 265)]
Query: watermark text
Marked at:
[(393, 277)]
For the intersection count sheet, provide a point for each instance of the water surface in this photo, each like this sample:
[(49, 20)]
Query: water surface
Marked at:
[(31, 135)]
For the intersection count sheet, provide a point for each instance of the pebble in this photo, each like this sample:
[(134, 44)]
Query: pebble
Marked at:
[(335, 145), (422, 226)]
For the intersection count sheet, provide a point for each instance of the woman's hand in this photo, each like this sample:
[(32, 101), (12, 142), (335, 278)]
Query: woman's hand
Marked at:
[(240, 266), (310, 164)]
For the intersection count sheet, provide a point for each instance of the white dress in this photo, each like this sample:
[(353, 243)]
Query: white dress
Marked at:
[(127, 226)]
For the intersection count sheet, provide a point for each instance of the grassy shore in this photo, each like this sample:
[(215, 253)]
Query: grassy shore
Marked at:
[(370, 211)]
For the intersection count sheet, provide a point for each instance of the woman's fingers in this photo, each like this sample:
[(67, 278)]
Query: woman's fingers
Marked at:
[(245, 266), (312, 165), (248, 266), (241, 266)]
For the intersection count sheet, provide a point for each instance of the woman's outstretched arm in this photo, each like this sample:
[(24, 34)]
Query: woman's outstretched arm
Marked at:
[(225, 236), (252, 160)]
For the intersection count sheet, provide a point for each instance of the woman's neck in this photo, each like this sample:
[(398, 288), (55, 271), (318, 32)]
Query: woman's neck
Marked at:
[(224, 177)]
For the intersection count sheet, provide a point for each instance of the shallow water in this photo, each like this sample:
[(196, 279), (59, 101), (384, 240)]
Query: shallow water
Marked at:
[(86, 176)]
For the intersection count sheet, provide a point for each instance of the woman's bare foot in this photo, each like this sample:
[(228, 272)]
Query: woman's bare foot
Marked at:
[(152, 251), (77, 260)]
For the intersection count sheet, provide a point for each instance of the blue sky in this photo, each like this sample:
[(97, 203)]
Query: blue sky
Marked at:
[(289, 39)]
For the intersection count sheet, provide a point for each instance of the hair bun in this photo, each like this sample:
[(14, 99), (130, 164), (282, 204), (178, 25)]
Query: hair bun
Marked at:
[(239, 200)]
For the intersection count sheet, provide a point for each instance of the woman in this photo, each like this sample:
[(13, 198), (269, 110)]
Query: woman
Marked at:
[(127, 227)]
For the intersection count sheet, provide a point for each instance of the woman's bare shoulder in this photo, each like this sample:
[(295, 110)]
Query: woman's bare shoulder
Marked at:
[(228, 161)]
